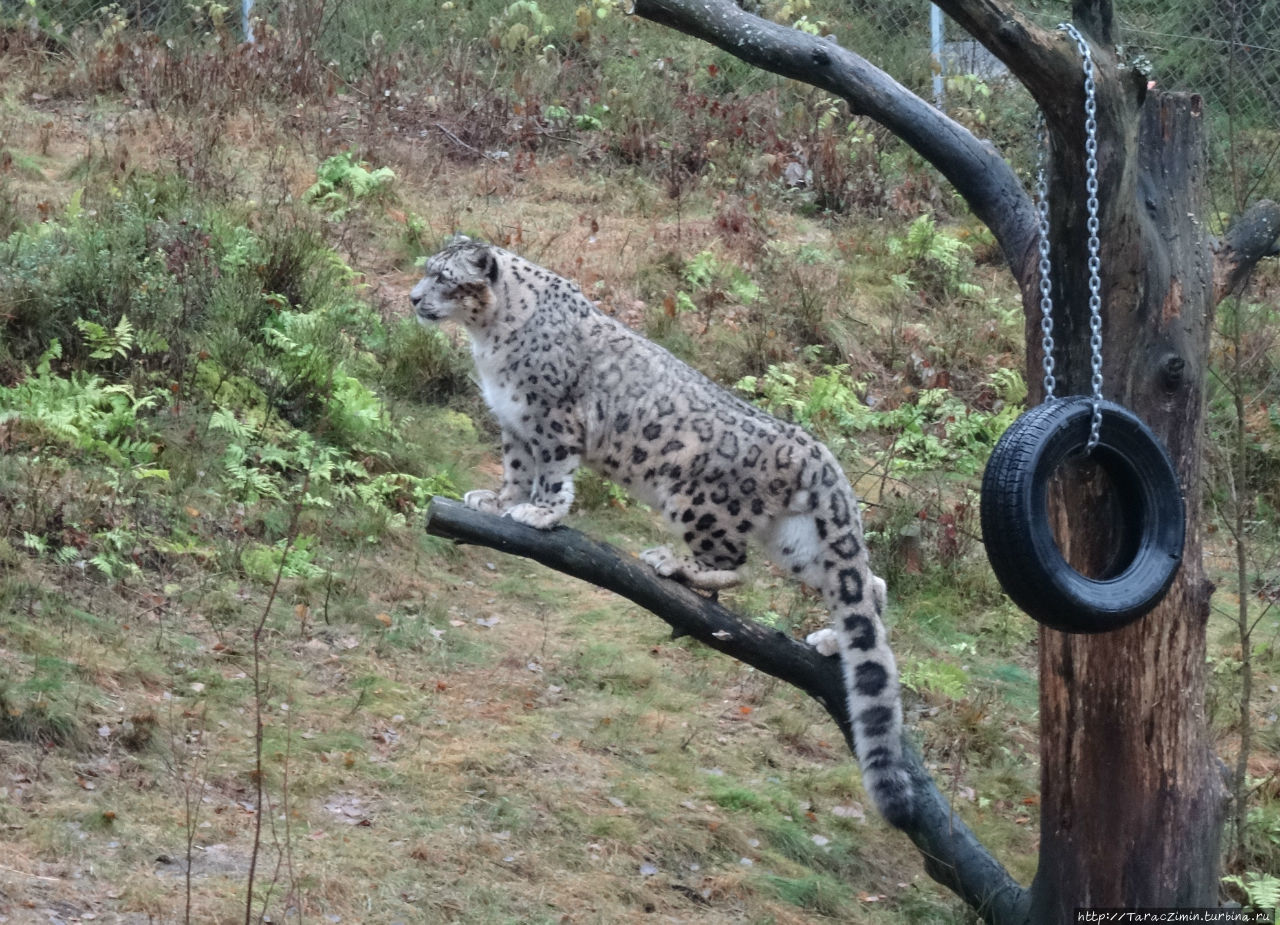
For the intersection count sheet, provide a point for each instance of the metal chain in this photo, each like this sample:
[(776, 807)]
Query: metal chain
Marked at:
[(1095, 264), (1046, 287)]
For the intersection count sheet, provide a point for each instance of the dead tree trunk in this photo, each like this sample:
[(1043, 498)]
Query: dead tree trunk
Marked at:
[(1132, 798)]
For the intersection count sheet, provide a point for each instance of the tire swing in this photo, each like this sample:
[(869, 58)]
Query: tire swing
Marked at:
[(1015, 487)]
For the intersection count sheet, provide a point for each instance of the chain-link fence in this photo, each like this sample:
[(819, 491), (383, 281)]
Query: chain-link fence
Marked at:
[(1229, 52)]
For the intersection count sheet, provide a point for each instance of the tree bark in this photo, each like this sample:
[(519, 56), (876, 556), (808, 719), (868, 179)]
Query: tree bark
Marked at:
[(1132, 797), (1251, 237)]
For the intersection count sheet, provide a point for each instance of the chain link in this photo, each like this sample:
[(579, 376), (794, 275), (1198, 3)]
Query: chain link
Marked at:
[(1094, 244), (1046, 286), (1095, 263)]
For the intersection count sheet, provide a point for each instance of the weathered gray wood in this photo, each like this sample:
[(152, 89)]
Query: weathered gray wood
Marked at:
[(1131, 795), (1252, 236)]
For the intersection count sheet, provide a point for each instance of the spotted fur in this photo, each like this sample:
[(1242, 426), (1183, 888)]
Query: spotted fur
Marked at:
[(570, 385)]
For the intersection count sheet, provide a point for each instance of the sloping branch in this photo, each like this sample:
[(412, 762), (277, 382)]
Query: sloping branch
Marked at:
[(976, 169), (1031, 53), (1254, 234), (953, 856)]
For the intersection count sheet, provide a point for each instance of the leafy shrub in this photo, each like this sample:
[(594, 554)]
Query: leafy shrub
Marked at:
[(935, 431), (827, 404), (939, 263), (342, 183), (290, 560), (423, 364), (521, 27), (80, 411), (1262, 890)]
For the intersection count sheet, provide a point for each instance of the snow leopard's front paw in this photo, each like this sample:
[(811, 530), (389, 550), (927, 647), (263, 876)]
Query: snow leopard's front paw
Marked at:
[(482, 500), (825, 641), (537, 516), (662, 560)]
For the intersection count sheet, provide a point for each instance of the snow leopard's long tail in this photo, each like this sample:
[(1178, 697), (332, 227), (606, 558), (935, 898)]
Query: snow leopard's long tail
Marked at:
[(820, 542), (856, 599)]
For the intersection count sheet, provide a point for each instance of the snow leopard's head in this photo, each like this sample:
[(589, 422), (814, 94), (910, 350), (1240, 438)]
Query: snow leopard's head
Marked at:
[(458, 283)]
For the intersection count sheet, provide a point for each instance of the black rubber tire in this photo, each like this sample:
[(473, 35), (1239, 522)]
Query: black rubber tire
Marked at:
[(1015, 516)]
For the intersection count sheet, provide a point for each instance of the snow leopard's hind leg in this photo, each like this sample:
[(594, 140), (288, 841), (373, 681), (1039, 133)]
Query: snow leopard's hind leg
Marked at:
[(823, 548), (688, 570), (717, 548), (827, 641)]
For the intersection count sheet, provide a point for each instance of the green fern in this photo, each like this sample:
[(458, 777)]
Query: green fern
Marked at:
[(1009, 386), (82, 411), (941, 261), (936, 431), (827, 404), (1262, 890), (104, 344), (938, 677), (252, 481), (342, 183), (227, 422), (701, 269)]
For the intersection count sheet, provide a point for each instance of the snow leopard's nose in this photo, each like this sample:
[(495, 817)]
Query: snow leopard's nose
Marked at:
[(415, 299)]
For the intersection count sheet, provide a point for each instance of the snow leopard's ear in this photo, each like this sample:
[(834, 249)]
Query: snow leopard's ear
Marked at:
[(487, 264)]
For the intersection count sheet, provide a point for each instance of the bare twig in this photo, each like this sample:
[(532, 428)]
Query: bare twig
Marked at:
[(259, 770), (23, 873), (462, 144)]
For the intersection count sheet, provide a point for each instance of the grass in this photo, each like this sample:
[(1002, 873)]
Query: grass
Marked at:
[(449, 734)]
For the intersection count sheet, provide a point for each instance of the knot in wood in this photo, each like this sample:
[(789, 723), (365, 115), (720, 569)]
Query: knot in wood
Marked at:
[(1173, 371)]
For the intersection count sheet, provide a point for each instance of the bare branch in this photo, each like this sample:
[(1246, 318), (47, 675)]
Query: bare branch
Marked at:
[(1033, 54), (953, 856), (972, 165), (1253, 235)]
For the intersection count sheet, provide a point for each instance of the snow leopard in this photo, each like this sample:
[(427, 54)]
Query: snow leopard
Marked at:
[(570, 385)]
